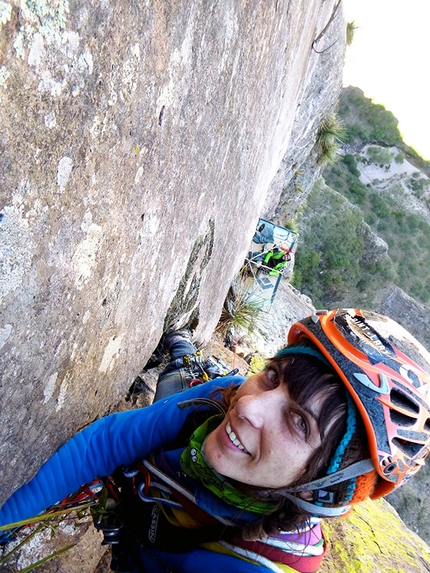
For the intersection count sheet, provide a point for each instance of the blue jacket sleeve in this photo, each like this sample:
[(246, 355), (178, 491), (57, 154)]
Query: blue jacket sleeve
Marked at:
[(97, 450)]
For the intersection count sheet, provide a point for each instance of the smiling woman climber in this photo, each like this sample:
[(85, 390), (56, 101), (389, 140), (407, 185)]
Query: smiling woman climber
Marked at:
[(236, 474)]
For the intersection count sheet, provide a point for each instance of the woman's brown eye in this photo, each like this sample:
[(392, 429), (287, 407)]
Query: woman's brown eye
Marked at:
[(300, 423), (272, 377)]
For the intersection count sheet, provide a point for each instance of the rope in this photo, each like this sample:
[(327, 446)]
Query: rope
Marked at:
[(318, 38)]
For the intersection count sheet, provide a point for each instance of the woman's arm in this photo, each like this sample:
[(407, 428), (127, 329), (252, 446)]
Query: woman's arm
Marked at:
[(97, 450)]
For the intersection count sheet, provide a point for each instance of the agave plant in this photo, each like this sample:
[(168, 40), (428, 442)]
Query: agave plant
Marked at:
[(350, 31), (240, 312), (329, 138)]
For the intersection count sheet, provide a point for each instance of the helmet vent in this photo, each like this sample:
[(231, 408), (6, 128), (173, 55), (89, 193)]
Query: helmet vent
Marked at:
[(401, 419), (403, 401), (427, 425), (411, 449)]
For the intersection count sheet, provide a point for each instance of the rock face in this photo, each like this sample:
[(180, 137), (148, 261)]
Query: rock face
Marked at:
[(411, 314), (376, 248), (373, 539), (299, 168), (138, 142)]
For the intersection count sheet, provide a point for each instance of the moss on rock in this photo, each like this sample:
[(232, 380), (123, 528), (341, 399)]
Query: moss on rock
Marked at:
[(373, 539)]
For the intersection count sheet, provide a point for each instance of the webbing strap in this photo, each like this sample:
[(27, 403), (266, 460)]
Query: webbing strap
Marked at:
[(318, 509), (352, 471)]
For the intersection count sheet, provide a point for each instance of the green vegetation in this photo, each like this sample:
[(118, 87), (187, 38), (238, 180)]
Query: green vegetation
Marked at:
[(379, 156), (418, 185), (330, 262), (339, 259), (350, 31), (366, 122), (406, 234), (35, 525), (240, 312), (329, 138)]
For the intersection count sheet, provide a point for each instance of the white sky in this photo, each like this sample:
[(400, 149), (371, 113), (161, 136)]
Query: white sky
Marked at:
[(389, 60)]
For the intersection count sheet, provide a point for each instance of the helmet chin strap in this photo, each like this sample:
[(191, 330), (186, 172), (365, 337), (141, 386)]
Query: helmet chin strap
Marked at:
[(352, 471)]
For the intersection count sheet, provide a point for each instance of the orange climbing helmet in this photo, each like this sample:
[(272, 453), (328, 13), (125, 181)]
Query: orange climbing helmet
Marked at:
[(387, 373)]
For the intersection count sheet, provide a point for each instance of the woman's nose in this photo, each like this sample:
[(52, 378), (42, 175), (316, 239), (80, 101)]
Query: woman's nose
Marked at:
[(258, 408)]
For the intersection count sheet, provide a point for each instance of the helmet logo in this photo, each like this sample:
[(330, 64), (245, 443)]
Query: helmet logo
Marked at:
[(367, 336), (366, 381)]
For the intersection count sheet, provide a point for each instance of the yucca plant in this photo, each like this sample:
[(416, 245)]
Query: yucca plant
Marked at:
[(350, 31), (240, 312), (27, 529), (329, 138)]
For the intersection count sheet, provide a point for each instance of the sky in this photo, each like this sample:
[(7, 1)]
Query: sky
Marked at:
[(389, 60)]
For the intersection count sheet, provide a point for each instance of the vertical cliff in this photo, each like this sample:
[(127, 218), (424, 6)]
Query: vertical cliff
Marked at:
[(138, 142)]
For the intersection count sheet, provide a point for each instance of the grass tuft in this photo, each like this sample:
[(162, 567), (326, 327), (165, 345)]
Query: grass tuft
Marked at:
[(240, 312)]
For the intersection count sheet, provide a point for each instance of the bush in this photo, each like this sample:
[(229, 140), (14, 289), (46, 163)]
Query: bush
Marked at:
[(379, 205), (307, 261), (417, 186), (351, 164), (331, 248), (240, 312), (379, 155), (358, 191), (370, 219), (330, 134), (297, 279)]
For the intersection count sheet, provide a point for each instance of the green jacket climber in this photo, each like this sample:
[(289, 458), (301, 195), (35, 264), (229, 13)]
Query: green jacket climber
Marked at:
[(276, 259)]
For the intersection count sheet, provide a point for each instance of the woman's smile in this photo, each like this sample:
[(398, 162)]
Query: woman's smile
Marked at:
[(234, 439)]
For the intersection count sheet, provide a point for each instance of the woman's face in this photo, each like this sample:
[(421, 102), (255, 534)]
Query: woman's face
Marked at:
[(266, 439)]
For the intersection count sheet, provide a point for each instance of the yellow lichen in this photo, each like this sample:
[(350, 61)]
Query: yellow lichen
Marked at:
[(373, 539)]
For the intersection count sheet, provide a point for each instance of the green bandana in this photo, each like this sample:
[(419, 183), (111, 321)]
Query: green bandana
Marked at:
[(194, 464)]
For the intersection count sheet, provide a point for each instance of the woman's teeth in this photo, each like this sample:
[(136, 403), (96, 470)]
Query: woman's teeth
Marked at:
[(233, 438)]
